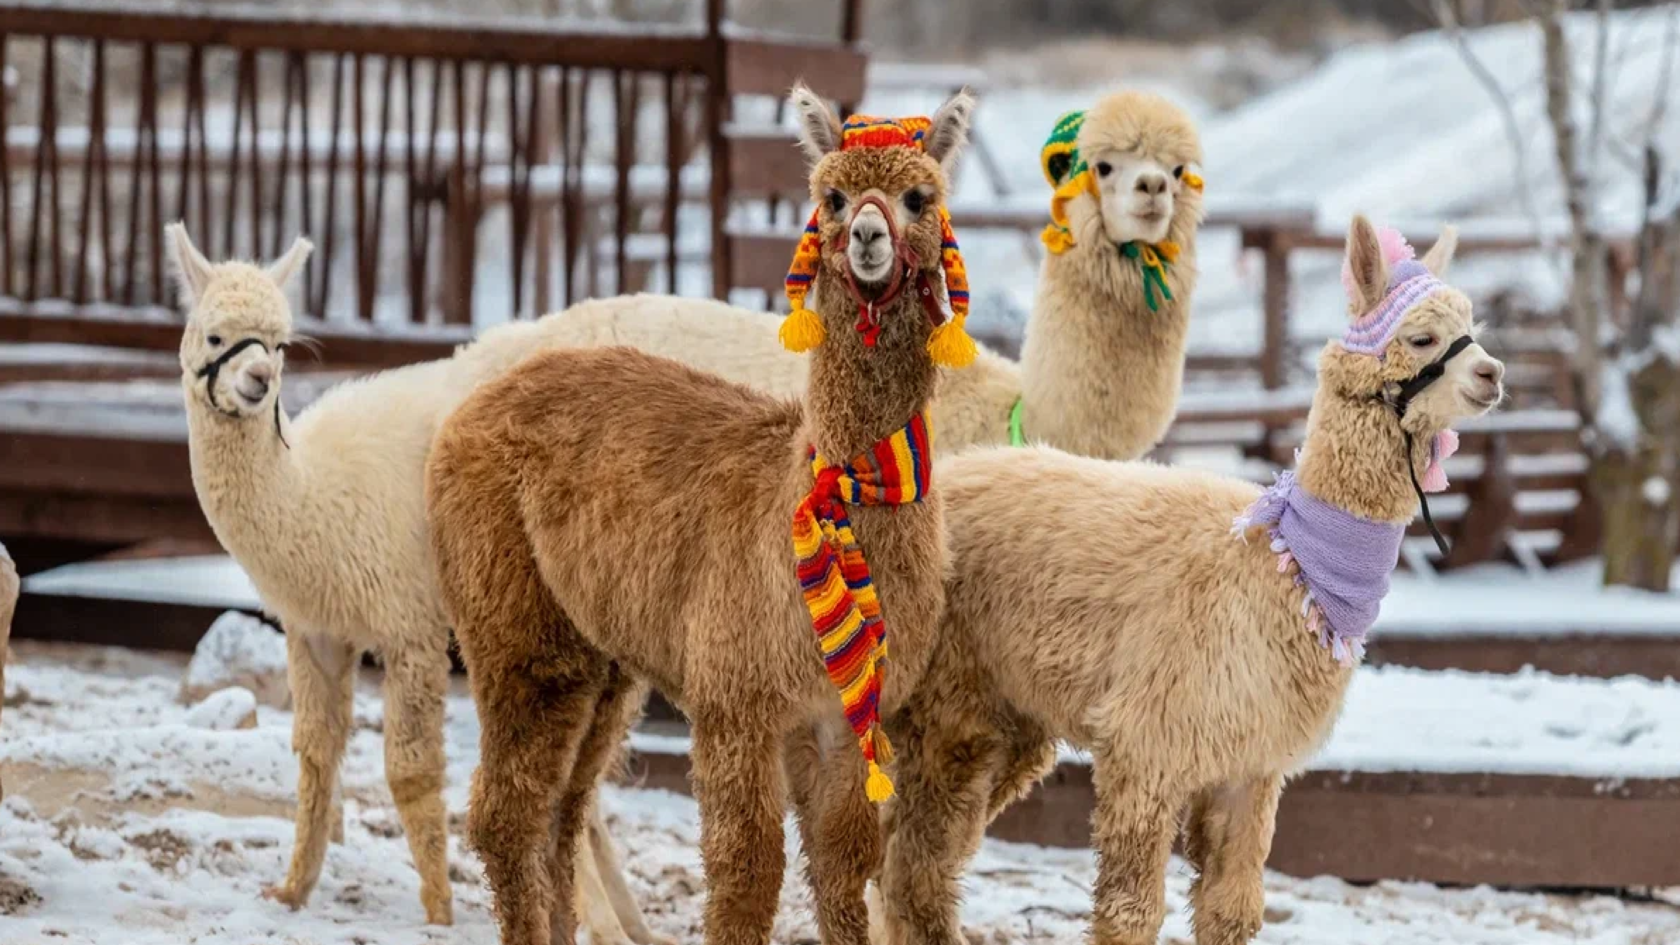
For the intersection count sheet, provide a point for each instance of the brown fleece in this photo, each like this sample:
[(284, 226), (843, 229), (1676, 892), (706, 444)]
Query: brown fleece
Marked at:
[(601, 515)]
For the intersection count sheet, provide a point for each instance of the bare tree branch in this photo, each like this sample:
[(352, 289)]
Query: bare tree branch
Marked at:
[(1600, 89), (1448, 20)]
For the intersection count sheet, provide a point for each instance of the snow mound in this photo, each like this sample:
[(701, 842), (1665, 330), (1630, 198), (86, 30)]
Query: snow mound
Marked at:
[(225, 710), (240, 650)]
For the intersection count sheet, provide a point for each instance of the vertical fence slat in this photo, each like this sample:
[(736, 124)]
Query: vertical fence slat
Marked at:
[(624, 105), (414, 190), (255, 105), (5, 180), (230, 203), (521, 147), (329, 211), (142, 170), (376, 230), (95, 146), (305, 178), (673, 178), (46, 151)]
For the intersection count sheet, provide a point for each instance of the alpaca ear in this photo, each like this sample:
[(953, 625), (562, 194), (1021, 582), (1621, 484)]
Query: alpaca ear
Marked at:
[(1365, 273), (283, 269), (192, 270), (949, 132), (819, 130), (1440, 256)]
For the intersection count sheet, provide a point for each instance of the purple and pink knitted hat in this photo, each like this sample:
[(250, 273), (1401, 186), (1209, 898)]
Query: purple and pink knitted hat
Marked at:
[(1409, 282)]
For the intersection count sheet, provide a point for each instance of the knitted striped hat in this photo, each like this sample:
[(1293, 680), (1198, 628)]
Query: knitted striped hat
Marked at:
[(802, 330), (1409, 282)]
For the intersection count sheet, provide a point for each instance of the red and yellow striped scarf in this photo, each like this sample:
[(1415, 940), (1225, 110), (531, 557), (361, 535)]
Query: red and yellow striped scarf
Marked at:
[(834, 577)]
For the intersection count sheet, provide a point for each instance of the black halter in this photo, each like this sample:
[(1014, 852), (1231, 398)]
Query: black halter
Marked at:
[(211, 370), (1409, 390)]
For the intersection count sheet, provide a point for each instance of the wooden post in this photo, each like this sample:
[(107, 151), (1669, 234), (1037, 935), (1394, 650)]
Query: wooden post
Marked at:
[(851, 22), (1274, 356), (717, 113), (1482, 533)]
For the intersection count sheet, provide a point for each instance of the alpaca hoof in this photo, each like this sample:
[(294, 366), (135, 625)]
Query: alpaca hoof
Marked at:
[(286, 896), (440, 914)]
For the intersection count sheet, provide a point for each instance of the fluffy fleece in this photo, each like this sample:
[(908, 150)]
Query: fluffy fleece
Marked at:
[(327, 516), (1111, 606), (601, 516), (1099, 373)]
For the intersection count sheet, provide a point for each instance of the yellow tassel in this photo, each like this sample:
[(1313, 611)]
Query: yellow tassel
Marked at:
[(802, 330), (1193, 180), (1056, 239), (879, 787), (951, 346)]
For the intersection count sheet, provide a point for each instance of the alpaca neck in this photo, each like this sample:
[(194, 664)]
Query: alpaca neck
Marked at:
[(1100, 371), (859, 395), (1352, 458), (243, 473)]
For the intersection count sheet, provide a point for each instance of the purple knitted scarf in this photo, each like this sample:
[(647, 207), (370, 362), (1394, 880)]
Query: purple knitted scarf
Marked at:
[(1344, 561)]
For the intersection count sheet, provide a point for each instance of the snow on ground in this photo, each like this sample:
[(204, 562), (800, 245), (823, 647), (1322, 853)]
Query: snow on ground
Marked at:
[(125, 825)]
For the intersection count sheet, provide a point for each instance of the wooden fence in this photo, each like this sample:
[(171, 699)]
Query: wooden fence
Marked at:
[(381, 140)]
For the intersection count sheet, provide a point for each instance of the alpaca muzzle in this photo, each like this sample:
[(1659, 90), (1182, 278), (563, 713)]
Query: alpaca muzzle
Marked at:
[(1409, 391), (212, 370), (906, 263)]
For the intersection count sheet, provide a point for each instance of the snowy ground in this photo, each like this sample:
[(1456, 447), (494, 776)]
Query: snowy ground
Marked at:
[(125, 823)]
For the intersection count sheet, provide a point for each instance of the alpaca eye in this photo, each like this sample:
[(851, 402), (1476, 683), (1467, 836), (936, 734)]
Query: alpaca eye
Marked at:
[(1421, 341), (215, 340), (1104, 168), (836, 201), (915, 201), (1178, 171)]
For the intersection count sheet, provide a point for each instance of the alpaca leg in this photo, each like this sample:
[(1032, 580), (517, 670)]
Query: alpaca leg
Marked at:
[(608, 720), (611, 873), (1229, 837), (594, 906), (738, 781), (322, 673), (1028, 756), (943, 778), (534, 709), (1135, 821), (415, 684), (839, 828)]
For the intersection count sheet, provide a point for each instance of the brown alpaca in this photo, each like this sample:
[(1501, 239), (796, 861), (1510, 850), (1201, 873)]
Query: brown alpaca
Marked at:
[(1123, 607), (602, 516)]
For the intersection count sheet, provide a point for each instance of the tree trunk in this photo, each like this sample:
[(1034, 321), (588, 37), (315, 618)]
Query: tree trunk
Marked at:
[(1637, 487), (1635, 474)]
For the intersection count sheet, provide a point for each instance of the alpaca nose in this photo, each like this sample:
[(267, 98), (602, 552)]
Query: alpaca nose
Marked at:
[(1491, 371), (868, 229), (261, 371), (1152, 183)]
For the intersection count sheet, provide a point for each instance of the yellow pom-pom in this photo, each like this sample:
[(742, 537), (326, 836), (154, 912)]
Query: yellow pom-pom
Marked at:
[(1056, 239), (802, 330), (951, 346), (879, 787), (1193, 180)]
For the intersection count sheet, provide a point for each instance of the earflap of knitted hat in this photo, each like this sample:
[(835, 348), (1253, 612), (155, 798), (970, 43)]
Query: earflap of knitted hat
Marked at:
[(1068, 174), (950, 345), (802, 330)]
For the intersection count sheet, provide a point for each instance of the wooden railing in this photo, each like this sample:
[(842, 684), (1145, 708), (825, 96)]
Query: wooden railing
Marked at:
[(407, 150)]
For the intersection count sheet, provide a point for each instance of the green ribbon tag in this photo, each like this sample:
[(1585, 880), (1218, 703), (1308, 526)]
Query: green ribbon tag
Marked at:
[(1016, 437)]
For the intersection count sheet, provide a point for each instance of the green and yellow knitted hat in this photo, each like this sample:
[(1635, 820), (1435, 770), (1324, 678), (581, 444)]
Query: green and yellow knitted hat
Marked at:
[(1068, 175)]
